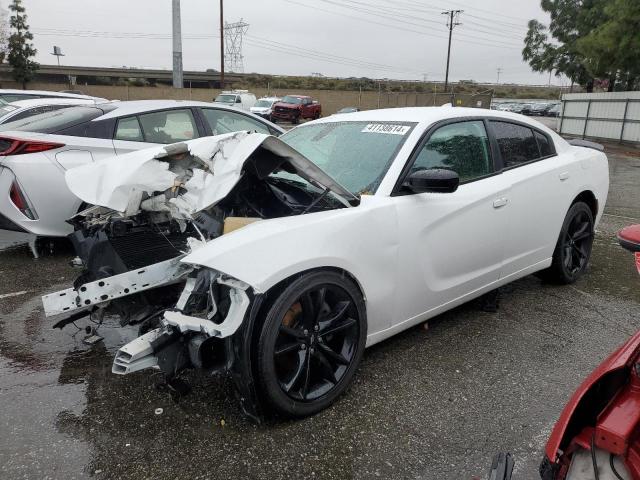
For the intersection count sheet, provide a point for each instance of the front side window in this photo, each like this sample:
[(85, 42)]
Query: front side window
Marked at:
[(517, 143), (168, 126), (224, 121), (357, 155), (462, 147)]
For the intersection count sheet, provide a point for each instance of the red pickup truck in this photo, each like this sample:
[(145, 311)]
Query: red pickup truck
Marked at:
[(294, 107)]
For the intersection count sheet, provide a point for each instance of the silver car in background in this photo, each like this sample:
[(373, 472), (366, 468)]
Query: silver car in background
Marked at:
[(35, 152)]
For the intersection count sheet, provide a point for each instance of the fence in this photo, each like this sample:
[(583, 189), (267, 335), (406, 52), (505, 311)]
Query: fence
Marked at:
[(614, 115), (331, 100)]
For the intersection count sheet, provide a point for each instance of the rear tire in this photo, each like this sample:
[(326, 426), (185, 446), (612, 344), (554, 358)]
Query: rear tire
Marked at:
[(573, 249), (311, 343)]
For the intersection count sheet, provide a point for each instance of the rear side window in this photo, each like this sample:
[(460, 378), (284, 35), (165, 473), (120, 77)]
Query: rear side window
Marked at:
[(37, 110), (54, 122), (129, 129), (544, 145), (517, 143), (462, 147), (168, 126), (224, 121)]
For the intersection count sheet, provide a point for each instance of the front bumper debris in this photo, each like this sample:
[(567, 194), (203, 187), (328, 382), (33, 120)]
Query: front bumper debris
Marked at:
[(116, 286)]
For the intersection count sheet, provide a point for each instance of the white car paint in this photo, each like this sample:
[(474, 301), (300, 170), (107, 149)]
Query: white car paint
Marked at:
[(40, 176), (415, 256)]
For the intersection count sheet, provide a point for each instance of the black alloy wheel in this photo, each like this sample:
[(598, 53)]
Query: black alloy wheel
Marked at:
[(573, 250), (311, 343)]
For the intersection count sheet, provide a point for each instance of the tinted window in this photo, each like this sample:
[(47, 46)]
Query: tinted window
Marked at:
[(544, 145), (36, 111), (223, 121), (462, 147), (53, 122), (517, 143), (169, 126), (129, 129)]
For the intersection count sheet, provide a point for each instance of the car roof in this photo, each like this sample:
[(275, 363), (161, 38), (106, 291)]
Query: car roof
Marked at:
[(298, 96), (133, 107), (13, 91), (36, 102), (272, 99), (426, 116)]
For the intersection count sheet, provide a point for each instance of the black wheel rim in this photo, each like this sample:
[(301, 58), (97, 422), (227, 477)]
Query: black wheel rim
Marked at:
[(316, 342), (577, 243)]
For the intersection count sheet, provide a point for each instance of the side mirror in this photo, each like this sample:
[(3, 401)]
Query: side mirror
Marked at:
[(437, 180)]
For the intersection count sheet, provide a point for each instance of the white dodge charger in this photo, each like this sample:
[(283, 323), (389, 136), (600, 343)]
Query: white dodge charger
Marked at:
[(279, 260)]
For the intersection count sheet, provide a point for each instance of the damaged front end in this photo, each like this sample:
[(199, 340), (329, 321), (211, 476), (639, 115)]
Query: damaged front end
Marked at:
[(153, 207)]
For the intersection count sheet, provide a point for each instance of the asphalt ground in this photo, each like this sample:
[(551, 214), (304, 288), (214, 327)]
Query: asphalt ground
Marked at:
[(432, 403)]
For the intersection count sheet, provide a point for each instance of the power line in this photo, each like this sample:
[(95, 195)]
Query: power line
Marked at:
[(483, 42), (452, 22)]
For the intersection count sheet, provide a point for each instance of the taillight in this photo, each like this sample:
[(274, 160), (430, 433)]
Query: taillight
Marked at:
[(16, 146), (17, 198)]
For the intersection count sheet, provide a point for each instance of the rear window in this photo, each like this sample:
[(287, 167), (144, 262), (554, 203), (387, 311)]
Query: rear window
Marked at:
[(517, 143), (52, 122)]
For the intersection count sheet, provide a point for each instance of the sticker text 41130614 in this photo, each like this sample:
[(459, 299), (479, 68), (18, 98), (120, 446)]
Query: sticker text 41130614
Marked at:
[(386, 128)]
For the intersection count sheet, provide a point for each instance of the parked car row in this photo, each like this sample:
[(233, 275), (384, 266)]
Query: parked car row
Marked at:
[(541, 109), (290, 108)]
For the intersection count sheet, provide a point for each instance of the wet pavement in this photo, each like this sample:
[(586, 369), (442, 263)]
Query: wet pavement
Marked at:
[(426, 404)]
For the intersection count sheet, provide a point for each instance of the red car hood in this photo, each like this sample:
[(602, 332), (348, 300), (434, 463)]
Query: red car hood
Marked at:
[(622, 358)]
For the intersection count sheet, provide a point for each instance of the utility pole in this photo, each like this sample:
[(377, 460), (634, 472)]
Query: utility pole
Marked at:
[(499, 70), (177, 46), (452, 21), (222, 44)]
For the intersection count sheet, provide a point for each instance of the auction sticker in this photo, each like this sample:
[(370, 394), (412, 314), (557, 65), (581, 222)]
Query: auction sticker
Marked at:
[(386, 128)]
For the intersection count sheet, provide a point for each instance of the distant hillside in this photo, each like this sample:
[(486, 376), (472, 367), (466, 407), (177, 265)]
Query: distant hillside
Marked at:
[(254, 80)]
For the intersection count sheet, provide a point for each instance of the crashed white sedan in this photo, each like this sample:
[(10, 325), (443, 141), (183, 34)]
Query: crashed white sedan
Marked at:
[(279, 259)]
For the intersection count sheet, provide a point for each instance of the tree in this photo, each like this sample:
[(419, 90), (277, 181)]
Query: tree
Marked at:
[(614, 46), (21, 50), (4, 34), (571, 20)]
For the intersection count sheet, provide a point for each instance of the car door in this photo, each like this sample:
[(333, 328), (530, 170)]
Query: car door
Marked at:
[(154, 128), (537, 199), (450, 244)]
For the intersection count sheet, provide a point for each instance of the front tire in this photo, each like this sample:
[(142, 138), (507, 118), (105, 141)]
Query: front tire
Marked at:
[(311, 343), (573, 250)]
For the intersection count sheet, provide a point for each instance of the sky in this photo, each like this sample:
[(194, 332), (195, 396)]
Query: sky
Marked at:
[(399, 39)]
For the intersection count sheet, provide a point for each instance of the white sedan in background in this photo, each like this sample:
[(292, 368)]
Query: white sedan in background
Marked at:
[(35, 152), (280, 259)]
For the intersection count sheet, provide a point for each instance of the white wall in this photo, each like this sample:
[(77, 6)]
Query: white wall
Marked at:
[(614, 115)]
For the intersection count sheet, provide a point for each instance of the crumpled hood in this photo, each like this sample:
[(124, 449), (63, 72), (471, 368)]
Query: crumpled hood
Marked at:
[(191, 176)]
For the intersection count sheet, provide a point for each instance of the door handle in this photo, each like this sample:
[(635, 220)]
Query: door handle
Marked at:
[(500, 202), (563, 176)]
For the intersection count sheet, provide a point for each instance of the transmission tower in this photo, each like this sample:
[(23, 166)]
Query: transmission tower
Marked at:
[(233, 59)]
